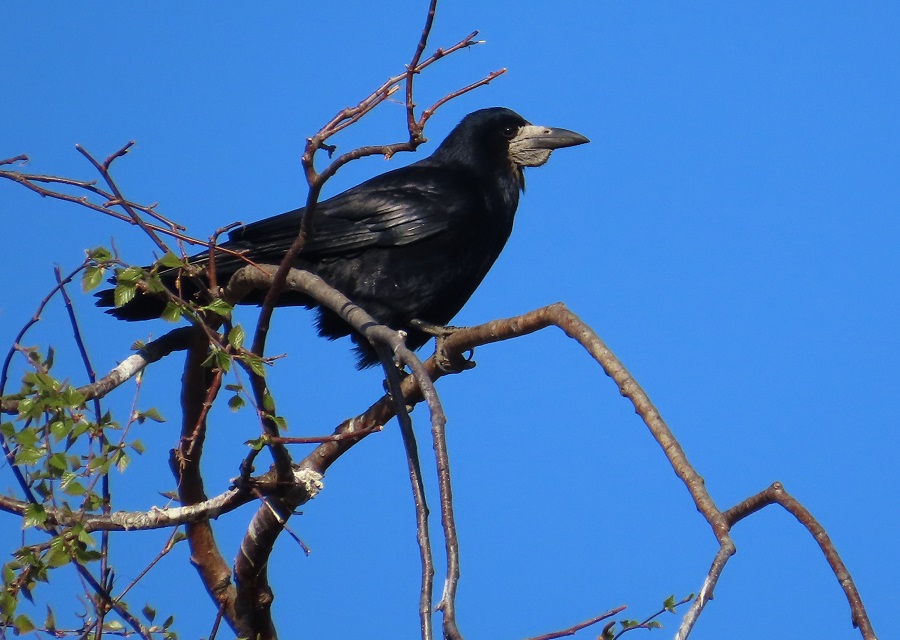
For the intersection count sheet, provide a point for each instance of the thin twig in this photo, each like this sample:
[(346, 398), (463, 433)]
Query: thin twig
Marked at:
[(120, 199), (92, 376), (571, 631), (415, 476)]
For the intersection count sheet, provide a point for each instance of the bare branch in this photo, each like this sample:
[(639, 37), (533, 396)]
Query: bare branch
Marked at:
[(776, 494), (185, 463)]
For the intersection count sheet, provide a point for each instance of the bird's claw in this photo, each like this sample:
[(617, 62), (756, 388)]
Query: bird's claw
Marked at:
[(447, 364), (436, 330)]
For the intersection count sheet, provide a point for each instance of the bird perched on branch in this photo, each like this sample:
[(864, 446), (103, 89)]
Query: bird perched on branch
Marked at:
[(410, 244)]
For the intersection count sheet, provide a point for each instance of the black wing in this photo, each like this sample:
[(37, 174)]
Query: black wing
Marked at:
[(397, 208)]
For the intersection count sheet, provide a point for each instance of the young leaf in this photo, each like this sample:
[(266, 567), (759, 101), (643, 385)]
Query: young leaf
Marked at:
[(219, 307), (130, 275), (58, 556), (669, 604), (34, 516), (91, 278), (236, 336), (23, 625), (153, 414), (123, 294), (172, 312), (235, 402), (99, 254), (171, 261)]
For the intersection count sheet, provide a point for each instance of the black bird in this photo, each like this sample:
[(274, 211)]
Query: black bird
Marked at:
[(410, 244)]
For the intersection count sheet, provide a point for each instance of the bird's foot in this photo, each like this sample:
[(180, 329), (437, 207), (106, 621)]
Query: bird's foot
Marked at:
[(442, 359)]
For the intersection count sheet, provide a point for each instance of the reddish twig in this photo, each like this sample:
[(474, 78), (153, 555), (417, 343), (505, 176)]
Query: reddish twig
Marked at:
[(331, 438), (571, 631), (119, 198)]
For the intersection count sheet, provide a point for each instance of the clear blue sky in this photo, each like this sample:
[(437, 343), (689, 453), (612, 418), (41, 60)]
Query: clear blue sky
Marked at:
[(731, 231)]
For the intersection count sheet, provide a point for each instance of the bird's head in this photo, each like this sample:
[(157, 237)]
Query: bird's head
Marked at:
[(498, 137)]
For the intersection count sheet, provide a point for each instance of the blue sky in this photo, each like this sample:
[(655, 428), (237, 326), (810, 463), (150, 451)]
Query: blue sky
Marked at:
[(731, 232)]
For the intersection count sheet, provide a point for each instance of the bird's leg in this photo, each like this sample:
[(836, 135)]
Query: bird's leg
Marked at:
[(441, 332)]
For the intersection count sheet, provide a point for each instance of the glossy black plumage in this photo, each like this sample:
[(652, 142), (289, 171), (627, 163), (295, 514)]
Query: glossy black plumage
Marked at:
[(412, 243)]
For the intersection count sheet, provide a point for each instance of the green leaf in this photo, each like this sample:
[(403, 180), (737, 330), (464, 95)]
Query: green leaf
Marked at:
[(113, 625), (70, 484), (280, 422), (35, 515), (257, 443), (172, 312), (122, 460), (168, 622), (123, 294), (7, 603), (79, 428), (58, 556), (222, 360), (71, 397), (84, 556), (154, 284), (236, 336), (28, 455), (219, 307), (59, 429), (149, 612), (26, 437), (256, 365), (91, 278), (268, 401), (138, 447), (83, 536), (130, 275), (58, 461), (23, 625), (669, 603), (235, 402), (153, 414), (171, 261), (99, 254), (50, 620)]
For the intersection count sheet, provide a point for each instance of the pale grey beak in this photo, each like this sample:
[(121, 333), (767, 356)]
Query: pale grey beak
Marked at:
[(532, 145)]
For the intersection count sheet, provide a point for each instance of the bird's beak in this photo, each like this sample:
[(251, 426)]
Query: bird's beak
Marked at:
[(532, 145)]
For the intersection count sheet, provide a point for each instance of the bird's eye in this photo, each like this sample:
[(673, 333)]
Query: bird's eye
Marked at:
[(509, 132)]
